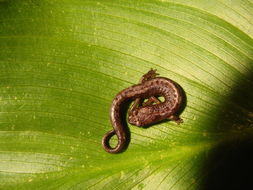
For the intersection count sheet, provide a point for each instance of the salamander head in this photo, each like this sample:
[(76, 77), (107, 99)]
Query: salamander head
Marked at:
[(141, 117), (133, 118)]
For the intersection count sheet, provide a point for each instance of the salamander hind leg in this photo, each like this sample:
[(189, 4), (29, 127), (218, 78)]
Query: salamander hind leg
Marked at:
[(149, 75), (136, 104), (177, 119), (151, 100)]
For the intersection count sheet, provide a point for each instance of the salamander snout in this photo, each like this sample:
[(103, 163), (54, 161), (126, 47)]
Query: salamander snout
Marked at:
[(134, 119), (140, 117)]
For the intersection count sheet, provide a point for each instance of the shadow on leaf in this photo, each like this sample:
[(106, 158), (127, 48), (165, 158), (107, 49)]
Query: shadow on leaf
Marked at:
[(229, 165)]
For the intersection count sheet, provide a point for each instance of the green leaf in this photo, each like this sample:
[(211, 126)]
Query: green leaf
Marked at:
[(62, 63)]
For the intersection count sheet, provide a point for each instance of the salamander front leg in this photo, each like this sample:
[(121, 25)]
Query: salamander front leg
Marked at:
[(177, 119)]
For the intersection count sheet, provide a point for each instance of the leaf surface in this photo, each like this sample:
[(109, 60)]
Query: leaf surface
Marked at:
[(62, 63)]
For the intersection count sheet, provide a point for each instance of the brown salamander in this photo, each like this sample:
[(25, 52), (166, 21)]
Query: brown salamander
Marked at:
[(143, 113)]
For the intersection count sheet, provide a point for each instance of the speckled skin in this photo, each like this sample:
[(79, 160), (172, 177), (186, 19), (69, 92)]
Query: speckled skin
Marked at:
[(140, 115)]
